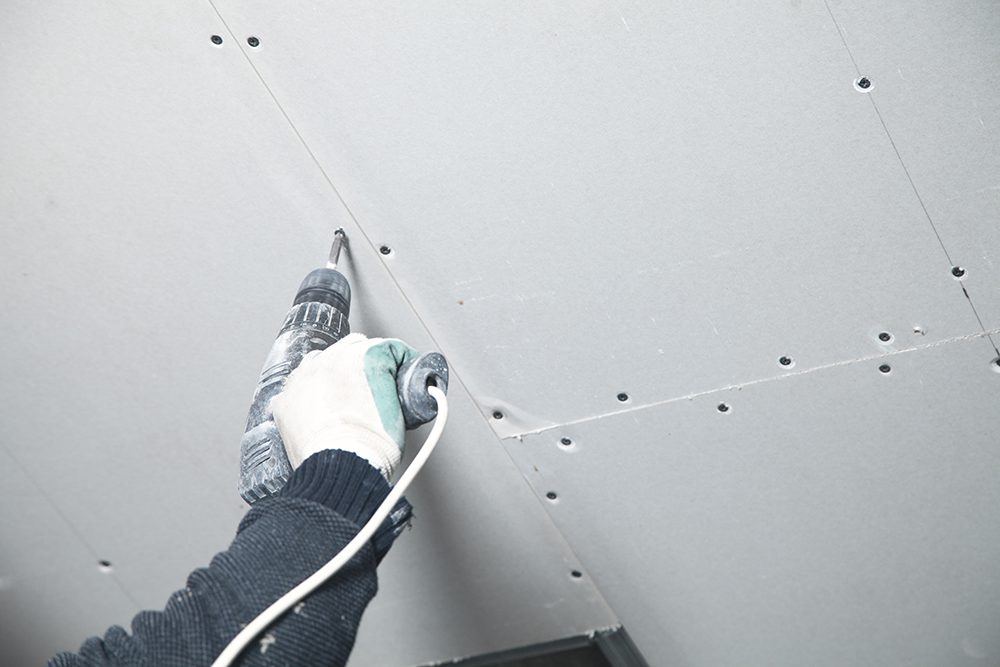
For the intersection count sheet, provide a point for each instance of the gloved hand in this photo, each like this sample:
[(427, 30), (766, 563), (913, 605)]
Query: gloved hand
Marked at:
[(345, 398)]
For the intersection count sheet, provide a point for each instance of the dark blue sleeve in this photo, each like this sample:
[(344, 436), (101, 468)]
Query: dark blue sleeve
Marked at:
[(280, 542)]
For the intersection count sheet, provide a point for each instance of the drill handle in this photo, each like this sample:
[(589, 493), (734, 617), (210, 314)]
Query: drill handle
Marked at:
[(264, 465)]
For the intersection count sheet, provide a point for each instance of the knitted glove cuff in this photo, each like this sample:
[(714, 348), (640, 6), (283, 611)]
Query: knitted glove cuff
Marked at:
[(351, 487)]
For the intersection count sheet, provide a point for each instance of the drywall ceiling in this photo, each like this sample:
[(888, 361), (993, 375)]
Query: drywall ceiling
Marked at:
[(582, 201), (163, 214)]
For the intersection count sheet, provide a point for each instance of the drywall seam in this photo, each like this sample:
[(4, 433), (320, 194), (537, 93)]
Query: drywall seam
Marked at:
[(312, 156), (906, 171), (857, 70), (454, 377), (326, 177), (975, 312), (784, 376), (96, 558)]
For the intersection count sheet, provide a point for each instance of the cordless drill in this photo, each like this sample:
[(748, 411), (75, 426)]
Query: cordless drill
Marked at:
[(318, 319)]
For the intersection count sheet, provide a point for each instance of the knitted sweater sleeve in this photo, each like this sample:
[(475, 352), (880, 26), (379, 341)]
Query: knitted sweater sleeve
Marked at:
[(280, 542)]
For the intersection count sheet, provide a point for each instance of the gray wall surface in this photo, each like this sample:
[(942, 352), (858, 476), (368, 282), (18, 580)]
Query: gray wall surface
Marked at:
[(582, 200)]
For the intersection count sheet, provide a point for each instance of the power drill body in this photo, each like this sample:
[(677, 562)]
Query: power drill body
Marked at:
[(318, 319)]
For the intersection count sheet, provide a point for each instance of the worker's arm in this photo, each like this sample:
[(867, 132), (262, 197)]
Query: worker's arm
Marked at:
[(340, 429)]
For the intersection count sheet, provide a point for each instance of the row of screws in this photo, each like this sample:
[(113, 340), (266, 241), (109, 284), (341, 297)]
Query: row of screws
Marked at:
[(725, 407), (622, 397), (552, 496), (786, 361), (885, 337), (252, 41), (885, 369), (956, 271)]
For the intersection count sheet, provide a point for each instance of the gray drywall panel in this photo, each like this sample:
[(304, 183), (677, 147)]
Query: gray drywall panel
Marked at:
[(580, 201), (936, 74), (587, 199), (836, 517), (160, 214)]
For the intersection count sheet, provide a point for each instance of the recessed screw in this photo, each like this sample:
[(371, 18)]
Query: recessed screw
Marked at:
[(565, 442), (216, 39), (723, 407), (957, 271), (623, 397), (104, 566), (497, 414), (253, 41), (785, 361), (385, 250), (864, 83), (551, 495), (884, 368), (885, 337), (576, 574)]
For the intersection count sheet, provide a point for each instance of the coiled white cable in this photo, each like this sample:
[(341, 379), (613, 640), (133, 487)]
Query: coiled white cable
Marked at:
[(313, 581)]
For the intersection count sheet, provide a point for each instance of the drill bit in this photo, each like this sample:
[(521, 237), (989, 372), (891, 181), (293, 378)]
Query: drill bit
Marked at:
[(339, 240)]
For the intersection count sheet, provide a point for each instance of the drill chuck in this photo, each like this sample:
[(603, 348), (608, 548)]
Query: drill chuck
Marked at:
[(327, 286)]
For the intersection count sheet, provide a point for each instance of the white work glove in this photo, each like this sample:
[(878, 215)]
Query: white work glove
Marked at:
[(345, 398)]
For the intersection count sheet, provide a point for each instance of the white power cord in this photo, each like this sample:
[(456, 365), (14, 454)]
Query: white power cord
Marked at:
[(294, 596)]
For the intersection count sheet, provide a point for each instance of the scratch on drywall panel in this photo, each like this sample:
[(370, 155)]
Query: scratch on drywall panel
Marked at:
[(520, 298), (784, 376), (475, 299), (468, 281)]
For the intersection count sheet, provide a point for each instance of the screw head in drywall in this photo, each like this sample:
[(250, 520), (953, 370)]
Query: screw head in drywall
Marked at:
[(957, 271), (576, 574), (385, 250), (623, 397), (104, 566), (885, 336), (785, 361), (497, 414), (253, 41), (884, 368), (863, 83), (722, 407), (551, 495), (216, 39), (565, 442)]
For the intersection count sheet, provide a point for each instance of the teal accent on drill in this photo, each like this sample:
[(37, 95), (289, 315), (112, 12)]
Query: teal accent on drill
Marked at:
[(381, 363)]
